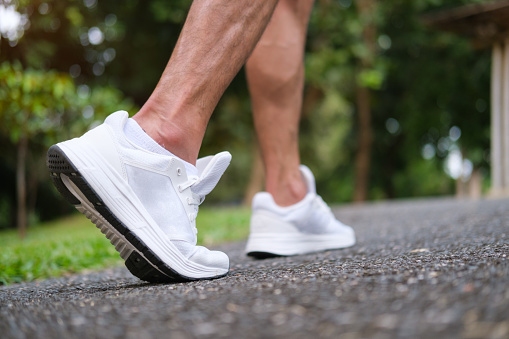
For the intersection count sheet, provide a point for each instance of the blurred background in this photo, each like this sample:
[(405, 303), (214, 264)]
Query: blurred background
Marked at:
[(392, 108)]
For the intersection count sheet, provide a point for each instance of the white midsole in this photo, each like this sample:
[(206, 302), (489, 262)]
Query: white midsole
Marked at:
[(86, 207), (298, 243), (126, 206), (123, 247)]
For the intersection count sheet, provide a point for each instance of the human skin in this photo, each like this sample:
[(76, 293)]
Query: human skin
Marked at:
[(215, 42), (275, 74)]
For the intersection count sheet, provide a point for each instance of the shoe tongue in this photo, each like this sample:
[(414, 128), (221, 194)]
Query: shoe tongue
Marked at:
[(308, 178), (210, 170)]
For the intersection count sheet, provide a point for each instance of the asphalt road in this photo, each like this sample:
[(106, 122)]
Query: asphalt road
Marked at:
[(421, 269)]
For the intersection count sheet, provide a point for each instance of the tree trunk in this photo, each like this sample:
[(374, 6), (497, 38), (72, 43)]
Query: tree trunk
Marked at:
[(31, 195), (364, 142), (365, 9), (36, 170), (21, 186)]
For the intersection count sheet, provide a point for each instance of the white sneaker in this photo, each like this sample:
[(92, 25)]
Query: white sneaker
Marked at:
[(306, 227), (143, 202)]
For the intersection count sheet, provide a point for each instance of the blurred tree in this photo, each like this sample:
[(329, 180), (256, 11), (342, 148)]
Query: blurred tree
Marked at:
[(366, 10), (422, 82), (32, 103), (38, 95), (427, 91), (428, 105)]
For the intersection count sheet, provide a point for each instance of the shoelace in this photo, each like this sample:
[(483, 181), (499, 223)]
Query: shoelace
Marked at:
[(326, 214), (320, 204), (195, 200)]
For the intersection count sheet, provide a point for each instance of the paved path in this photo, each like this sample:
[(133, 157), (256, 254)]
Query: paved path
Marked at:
[(421, 269)]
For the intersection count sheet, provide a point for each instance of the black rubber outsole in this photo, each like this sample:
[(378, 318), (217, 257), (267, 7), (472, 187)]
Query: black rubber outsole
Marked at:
[(263, 255), (58, 163)]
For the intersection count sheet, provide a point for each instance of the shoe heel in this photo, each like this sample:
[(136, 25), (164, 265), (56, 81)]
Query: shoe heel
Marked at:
[(58, 164)]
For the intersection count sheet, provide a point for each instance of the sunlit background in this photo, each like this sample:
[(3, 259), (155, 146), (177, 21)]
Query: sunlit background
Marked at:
[(65, 65)]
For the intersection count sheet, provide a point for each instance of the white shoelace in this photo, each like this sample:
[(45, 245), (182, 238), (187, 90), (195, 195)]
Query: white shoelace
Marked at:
[(319, 203), (194, 200), (326, 211)]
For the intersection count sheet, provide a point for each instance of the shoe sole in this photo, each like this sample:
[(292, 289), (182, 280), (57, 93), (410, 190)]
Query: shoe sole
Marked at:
[(139, 259), (266, 245)]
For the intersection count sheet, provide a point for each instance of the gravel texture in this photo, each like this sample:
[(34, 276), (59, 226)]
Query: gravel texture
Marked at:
[(421, 269)]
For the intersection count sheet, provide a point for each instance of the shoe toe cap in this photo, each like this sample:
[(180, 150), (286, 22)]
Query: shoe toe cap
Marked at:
[(345, 229), (212, 259), (347, 233)]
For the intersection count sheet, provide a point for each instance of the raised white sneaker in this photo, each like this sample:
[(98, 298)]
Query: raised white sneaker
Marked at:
[(143, 202), (308, 226)]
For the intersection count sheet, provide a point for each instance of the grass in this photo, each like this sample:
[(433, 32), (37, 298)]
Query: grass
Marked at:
[(73, 244), (219, 225)]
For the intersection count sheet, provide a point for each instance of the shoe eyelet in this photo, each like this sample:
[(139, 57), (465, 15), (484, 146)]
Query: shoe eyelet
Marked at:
[(179, 188), (179, 171), (188, 201)]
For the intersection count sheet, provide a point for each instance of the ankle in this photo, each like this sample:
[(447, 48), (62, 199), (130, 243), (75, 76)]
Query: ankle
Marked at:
[(170, 131), (287, 191)]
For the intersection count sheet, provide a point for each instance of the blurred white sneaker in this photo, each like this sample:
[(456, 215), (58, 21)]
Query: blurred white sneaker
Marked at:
[(306, 227), (143, 202)]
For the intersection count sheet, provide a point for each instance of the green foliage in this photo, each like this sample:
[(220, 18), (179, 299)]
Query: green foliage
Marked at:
[(413, 182), (32, 102), (425, 80), (434, 81), (66, 246), (222, 224), (44, 107), (176, 13)]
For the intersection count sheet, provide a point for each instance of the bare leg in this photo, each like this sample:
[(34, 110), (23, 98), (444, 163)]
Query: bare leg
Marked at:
[(275, 73), (216, 40)]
